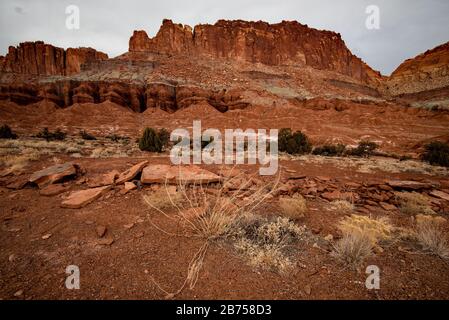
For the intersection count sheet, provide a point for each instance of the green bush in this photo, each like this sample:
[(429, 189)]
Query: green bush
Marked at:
[(51, 136), (330, 150), (436, 153), (6, 132), (86, 136), (164, 136), (296, 143), (150, 141), (364, 149)]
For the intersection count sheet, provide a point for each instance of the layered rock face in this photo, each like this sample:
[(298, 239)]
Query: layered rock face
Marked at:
[(271, 44), (426, 74), (137, 97), (38, 58)]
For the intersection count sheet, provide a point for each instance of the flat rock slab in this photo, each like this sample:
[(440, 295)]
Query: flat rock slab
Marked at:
[(131, 173), (17, 183), (159, 173), (104, 179), (79, 199), (53, 190), (53, 174), (440, 194), (408, 185)]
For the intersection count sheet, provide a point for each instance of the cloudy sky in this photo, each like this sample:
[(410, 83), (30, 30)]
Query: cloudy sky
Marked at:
[(407, 27)]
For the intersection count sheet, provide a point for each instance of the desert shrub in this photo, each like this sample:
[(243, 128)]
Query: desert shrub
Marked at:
[(436, 153), (294, 207), (164, 136), (117, 138), (413, 203), (431, 236), (342, 205), (52, 136), (150, 141), (7, 133), (265, 242), (364, 149), (330, 150), (376, 229), (353, 248), (86, 136), (164, 198), (293, 143), (361, 235)]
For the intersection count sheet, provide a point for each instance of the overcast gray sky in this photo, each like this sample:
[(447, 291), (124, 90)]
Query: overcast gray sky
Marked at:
[(407, 27)]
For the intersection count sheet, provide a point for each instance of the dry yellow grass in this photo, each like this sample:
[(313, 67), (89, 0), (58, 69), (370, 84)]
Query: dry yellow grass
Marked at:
[(376, 229), (265, 243), (294, 207), (353, 248), (209, 216), (361, 234), (414, 203), (431, 236), (164, 198), (342, 206)]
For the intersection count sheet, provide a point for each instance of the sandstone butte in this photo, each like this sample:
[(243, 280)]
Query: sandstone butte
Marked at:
[(271, 44)]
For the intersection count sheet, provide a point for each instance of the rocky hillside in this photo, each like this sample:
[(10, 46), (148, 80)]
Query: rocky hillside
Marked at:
[(424, 77), (288, 42)]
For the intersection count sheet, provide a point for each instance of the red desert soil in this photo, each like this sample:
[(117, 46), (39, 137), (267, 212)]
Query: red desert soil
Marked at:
[(139, 252)]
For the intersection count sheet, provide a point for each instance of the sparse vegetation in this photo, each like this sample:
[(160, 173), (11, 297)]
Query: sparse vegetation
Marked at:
[(361, 235), (353, 248), (293, 143), (294, 207), (330, 150), (431, 236), (87, 136), (342, 206), (150, 141), (364, 149), (164, 198), (58, 135), (436, 153), (264, 242), (413, 203), (7, 133), (154, 141), (376, 229)]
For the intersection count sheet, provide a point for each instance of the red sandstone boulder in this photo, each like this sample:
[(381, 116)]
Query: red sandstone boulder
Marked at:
[(54, 174), (160, 173), (131, 173), (79, 199)]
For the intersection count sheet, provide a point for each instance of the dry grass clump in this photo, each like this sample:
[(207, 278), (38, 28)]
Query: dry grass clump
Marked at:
[(294, 207), (361, 235), (431, 236), (265, 242), (376, 229), (414, 203), (342, 206), (209, 216), (353, 248), (164, 198)]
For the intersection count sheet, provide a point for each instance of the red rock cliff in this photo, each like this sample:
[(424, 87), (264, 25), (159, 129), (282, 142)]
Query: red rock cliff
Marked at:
[(273, 44), (38, 58)]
